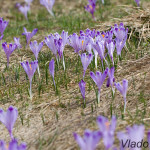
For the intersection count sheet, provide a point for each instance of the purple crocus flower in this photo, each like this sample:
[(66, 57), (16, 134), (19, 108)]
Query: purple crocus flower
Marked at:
[(35, 48), (91, 7), (49, 5), (93, 33), (111, 47), (121, 37), (82, 89), (137, 2), (89, 48), (17, 42), (57, 43), (50, 42), (99, 78), (64, 37), (13, 145), (101, 37), (107, 129), (109, 35), (61, 42), (52, 70), (59, 46), (2, 145), (83, 41), (86, 60), (30, 70), (111, 79), (3, 25), (120, 31), (9, 118), (8, 49), (74, 42), (29, 35), (120, 45), (100, 48), (89, 141), (132, 135), (123, 90), (88, 32), (24, 10)]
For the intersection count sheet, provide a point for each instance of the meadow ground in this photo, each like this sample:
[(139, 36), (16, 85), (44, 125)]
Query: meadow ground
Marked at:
[(48, 121)]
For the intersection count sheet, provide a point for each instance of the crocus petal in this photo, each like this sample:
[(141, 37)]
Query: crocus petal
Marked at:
[(2, 145), (24, 10), (35, 48), (49, 5), (89, 141), (30, 68), (79, 140), (3, 25), (13, 145), (123, 138), (86, 60), (107, 130), (29, 35), (52, 67), (17, 42), (9, 118), (125, 86), (82, 88)]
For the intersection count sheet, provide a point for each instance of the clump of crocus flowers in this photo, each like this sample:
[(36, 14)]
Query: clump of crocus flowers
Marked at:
[(9, 118), (85, 45)]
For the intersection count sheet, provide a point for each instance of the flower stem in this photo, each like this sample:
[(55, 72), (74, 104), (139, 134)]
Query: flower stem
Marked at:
[(30, 92), (98, 96), (1, 45), (38, 69), (7, 62), (63, 62), (106, 62), (83, 74), (124, 105), (54, 83), (96, 61), (113, 92), (11, 135), (57, 62)]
